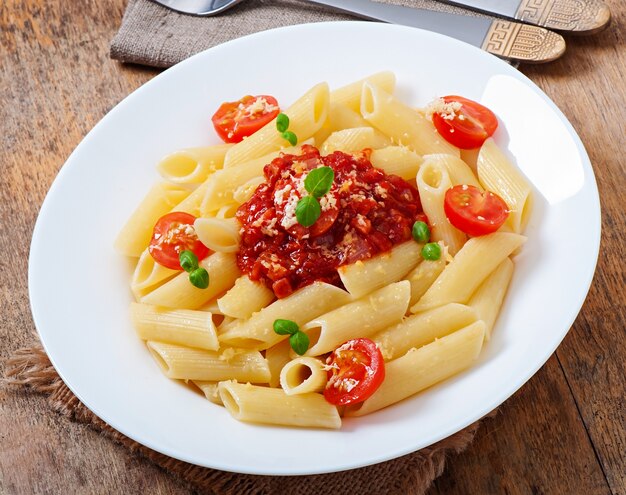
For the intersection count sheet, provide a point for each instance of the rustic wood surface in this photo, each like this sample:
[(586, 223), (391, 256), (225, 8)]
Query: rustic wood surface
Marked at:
[(564, 432)]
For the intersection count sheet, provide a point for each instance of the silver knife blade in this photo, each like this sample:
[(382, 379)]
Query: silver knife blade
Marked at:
[(509, 40), (574, 16)]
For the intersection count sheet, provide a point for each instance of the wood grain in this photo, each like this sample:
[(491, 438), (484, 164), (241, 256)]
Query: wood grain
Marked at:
[(563, 432)]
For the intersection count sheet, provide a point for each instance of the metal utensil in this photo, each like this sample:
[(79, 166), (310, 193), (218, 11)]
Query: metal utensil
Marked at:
[(571, 16), (510, 40)]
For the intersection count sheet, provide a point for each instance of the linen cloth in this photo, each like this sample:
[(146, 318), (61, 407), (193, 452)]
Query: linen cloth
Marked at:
[(153, 35)]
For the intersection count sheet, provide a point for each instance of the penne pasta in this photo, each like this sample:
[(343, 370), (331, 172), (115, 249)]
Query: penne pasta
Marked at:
[(301, 306), (186, 363), (366, 276), (488, 298), (193, 165), (497, 174), (360, 318), (318, 279), (423, 276), (433, 181), (354, 140), (148, 275), (397, 160), (303, 375), (404, 125), (307, 115), (273, 406), (218, 234), (245, 298), (423, 328), (178, 326), (478, 258), (424, 367), (135, 236), (209, 389), (179, 293)]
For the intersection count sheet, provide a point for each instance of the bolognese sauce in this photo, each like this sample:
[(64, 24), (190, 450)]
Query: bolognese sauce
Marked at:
[(366, 212)]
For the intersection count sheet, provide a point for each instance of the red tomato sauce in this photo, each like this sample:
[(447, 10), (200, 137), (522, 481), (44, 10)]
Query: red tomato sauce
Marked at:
[(365, 213)]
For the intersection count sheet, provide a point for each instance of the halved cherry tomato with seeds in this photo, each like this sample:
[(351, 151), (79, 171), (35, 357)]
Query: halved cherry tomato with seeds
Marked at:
[(466, 127), (474, 212), (235, 120), (356, 370), (174, 233)]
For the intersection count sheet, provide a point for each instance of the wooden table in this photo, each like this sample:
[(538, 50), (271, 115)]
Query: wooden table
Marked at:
[(564, 432)]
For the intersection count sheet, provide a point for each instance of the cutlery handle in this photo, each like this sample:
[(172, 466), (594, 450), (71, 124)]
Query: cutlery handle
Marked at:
[(509, 40)]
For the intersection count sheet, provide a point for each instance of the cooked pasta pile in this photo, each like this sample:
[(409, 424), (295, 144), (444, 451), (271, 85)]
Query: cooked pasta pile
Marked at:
[(429, 317)]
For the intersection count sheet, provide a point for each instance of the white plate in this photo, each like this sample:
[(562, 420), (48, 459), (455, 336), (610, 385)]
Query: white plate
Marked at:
[(79, 285)]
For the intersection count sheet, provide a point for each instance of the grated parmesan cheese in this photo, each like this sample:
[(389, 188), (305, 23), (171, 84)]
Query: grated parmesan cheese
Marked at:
[(447, 111)]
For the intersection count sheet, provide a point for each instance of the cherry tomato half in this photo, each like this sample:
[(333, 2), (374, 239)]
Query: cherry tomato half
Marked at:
[(356, 370), (471, 125), (172, 234), (235, 120), (473, 211)]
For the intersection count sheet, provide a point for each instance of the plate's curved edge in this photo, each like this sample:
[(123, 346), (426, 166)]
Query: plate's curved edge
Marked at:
[(391, 455)]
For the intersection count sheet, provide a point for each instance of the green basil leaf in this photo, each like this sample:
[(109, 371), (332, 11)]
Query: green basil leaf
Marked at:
[(319, 181), (282, 122), (291, 137), (308, 210), (188, 260), (299, 342), (199, 278), (285, 327)]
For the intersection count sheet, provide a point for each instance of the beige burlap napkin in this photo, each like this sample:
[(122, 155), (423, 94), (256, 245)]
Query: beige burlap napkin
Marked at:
[(154, 35), (30, 370)]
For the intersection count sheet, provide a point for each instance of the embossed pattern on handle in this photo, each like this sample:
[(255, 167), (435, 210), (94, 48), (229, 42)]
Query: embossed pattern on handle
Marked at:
[(580, 16), (530, 44)]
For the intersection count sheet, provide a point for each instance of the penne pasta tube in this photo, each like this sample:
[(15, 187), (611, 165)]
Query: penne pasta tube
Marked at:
[(244, 298), (306, 117), (180, 293), (423, 276), (178, 326), (363, 277), (404, 125), (218, 234), (397, 160), (277, 357), (458, 171), (301, 306), (221, 187), (422, 328), (361, 318), (148, 275), (354, 140), (487, 300), (421, 368), (209, 389), (273, 406), (432, 183), (191, 204), (222, 184), (303, 375), (478, 258), (227, 211), (245, 191), (339, 117), (350, 95), (193, 165), (135, 236), (186, 363), (497, 174)]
